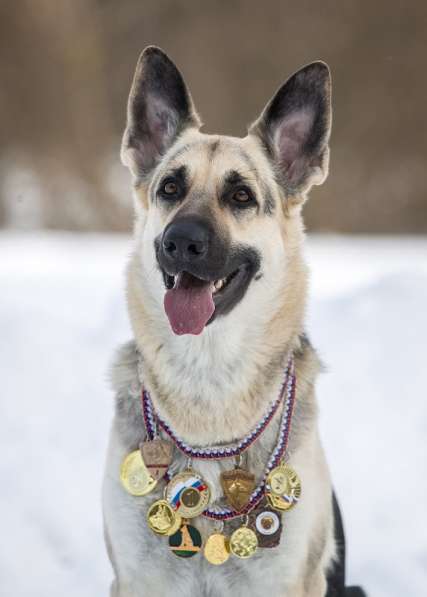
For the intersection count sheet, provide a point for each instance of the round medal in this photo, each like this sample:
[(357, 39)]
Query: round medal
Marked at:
[(283, 487), (135, 476), (186, 542), (267, 523), (278, 502), (162, 519), (188, 493), (243, 542), (217, 549)]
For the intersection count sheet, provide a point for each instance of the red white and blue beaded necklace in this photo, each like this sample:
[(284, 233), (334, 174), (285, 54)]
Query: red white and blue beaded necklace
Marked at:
[(286, 395)]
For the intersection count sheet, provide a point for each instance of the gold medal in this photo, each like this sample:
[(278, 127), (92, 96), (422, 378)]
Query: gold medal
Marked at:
[(243, 542), (238, 486), (157, 455), (188, 494), (135, 476), (162, 519), (283, 488), (217, 549)]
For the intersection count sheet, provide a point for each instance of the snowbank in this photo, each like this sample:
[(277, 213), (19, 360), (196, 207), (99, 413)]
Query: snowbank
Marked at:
[(62, 313)]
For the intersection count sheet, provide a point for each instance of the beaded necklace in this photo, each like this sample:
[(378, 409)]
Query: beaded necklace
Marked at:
[(187, 495), (153, 421), (287, 391)]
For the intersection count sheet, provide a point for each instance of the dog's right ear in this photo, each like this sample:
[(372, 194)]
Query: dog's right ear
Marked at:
[(159, 109)]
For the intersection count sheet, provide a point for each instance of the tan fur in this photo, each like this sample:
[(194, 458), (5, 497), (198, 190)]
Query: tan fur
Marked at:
[(277, 336), (214, 387)]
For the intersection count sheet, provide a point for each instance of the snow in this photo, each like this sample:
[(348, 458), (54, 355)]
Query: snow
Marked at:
[(62, 313)]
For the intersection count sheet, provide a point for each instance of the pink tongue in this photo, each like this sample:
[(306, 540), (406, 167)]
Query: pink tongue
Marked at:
[(189, 305)]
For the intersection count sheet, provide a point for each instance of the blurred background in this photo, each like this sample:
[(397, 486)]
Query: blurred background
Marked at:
[(65, 222), (67, 67)]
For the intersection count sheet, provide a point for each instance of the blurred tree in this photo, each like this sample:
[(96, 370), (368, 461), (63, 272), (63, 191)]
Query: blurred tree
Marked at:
[(67, 66)]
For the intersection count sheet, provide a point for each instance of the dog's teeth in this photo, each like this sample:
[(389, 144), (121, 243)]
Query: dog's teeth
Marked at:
[(219, 284)]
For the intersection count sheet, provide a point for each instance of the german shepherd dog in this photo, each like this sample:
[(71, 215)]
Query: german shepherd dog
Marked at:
[(216, 291)]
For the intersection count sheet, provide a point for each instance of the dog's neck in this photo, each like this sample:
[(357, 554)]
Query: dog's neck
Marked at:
[(212, 388)]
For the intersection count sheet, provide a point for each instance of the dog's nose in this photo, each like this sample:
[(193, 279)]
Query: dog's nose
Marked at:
[(185, 241)]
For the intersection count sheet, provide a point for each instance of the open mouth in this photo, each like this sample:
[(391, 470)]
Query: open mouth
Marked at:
[(191, 302), (187, 279)]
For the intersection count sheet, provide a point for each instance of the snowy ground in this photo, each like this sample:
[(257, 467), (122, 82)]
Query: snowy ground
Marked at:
[(61, 315)]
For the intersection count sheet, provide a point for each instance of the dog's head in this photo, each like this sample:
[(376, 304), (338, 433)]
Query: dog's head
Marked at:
[(213, 211)]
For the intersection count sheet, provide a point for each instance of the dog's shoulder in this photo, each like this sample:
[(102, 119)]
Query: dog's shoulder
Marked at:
[(308, 366), (124, 368), (127, 388), (308, 363)]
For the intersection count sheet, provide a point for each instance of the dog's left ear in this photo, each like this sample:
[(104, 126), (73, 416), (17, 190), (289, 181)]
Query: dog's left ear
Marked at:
[(159, 109), (295, 127)]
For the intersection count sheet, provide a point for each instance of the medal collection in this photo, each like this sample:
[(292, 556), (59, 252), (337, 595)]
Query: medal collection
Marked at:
[(187, 495)]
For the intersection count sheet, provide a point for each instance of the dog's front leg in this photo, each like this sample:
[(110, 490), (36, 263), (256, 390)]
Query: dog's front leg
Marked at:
[(128, 540), (313, 586), (122, 590), (114, 591), (317, 585), (118, 589)]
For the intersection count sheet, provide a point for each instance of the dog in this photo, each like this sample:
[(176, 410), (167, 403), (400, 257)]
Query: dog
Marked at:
[(216, 293)]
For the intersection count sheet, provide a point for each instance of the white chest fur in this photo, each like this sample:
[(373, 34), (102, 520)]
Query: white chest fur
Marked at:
[(143, 564)]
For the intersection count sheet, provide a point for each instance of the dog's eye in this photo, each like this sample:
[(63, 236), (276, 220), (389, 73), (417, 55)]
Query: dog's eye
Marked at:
[(242, 196), (170, 188)]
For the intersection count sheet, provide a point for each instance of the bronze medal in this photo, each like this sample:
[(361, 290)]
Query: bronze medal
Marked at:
[(283, 488), (217, 549), (243, 542), (135, 476), (238, 486), (162, 519), (157, 455), (267, 524)]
